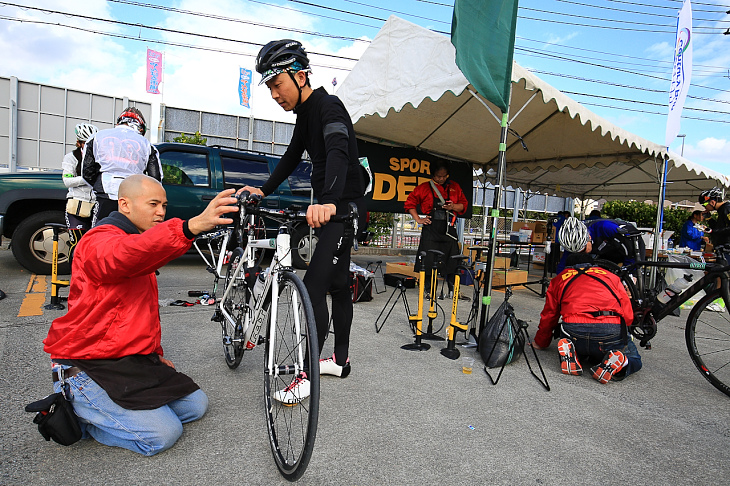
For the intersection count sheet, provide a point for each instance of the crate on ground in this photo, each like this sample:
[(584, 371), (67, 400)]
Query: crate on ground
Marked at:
[(509, 277), (401, 268)]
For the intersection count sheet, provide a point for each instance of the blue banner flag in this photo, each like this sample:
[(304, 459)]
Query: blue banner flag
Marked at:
[(244, 87)]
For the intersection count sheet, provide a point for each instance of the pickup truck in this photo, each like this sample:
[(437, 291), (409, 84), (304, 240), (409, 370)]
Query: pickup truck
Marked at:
[(192, 176)]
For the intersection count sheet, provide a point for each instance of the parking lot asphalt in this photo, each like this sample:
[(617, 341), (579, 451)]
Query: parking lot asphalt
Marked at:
[(401, 418)]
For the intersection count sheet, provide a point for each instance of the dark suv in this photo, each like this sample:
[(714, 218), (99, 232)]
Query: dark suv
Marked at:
[(192, 176)]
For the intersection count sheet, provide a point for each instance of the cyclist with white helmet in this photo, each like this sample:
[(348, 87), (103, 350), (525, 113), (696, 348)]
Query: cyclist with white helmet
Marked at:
[(607, 239), (80, 198), (115, 154), (595, 311), (324, 129)]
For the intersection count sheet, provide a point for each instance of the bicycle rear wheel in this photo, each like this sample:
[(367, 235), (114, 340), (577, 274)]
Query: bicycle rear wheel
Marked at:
[(235, 305), (292, 346), (708, 341)]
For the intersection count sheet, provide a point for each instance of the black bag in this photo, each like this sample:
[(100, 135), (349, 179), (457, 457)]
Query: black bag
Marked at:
[(393, 279), (56, 419), (494, 347), (361, 288)]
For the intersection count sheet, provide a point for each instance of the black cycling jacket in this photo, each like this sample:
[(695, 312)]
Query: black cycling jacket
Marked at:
[(324, 129)]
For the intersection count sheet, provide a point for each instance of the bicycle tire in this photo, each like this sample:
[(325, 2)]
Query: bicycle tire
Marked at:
[(292, 428), (235, 304), (707, 335)]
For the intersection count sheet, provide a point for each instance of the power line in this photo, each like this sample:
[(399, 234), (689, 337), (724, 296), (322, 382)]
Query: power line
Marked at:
[(151, 41), (162, 29), (650, 103), (618, 69), (628, 86), (718, 30), (635, 12), (231, 19), (587, 17), (622, 108), (720, 68)]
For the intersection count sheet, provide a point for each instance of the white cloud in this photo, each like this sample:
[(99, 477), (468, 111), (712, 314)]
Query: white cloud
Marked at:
[(193, 78), (556, 40), (661, 50)]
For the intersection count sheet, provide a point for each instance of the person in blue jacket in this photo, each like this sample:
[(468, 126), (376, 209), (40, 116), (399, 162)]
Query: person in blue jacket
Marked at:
[(611, 239), (693, 233)]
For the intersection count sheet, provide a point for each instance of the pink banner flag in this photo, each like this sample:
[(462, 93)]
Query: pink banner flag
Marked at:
[(154, 71)]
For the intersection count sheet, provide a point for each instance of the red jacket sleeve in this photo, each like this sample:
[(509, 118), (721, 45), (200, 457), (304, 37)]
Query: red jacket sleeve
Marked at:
[(549, 316)]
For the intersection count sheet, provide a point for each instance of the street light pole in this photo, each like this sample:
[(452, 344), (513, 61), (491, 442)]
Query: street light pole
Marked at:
[(683, 136)]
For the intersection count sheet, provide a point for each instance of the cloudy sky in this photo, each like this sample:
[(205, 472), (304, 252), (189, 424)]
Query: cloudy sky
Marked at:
[(613, 56)]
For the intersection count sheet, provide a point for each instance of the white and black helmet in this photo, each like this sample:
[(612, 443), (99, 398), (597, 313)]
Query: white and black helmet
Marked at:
[(574, 235), (84, 131), (284, 55)]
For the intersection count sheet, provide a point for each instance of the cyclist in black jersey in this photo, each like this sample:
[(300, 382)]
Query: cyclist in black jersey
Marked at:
[(324, 129)]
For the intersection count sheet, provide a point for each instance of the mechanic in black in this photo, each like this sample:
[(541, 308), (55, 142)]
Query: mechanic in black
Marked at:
[(712, 200), (324, 129)]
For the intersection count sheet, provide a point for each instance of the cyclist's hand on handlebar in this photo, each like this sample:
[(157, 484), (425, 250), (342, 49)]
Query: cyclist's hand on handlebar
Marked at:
[(251, 190), (320, 214), (214, 214)]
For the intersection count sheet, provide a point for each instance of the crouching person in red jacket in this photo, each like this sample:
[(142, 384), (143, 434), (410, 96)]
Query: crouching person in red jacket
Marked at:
[(595, 309), (107, 348)]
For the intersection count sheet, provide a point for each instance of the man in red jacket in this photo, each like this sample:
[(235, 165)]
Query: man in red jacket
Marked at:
[(106, 352), (440, 200), (596, 311)]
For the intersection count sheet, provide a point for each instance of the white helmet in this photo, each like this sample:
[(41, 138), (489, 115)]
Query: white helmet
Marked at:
[(84, 131), (574, 235)]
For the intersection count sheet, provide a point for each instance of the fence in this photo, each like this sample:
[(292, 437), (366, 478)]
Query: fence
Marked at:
[(37, 121), (246, 133)]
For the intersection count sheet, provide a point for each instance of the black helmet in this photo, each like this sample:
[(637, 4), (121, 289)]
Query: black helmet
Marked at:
[(281, 56), (714, 194)]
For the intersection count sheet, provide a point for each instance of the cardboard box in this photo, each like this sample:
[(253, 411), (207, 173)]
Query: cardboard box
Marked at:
[(509, 277), (401, 268), (535, 227), (539, 237), (501, 262)]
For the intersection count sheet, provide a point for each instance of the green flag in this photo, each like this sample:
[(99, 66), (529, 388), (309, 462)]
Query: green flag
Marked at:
[(483, 33)]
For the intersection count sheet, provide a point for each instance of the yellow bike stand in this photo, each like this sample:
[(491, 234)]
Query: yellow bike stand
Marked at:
[(416, 321), (55, 283), (450, 350)]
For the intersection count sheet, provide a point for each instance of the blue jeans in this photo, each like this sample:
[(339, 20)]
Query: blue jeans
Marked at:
[(593, 341), (144, 431)]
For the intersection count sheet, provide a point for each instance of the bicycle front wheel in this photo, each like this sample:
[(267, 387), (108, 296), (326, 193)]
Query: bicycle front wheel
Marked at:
[(291, 352), (708, 340), (235, 307)]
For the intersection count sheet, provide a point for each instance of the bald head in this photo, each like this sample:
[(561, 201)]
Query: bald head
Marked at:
[(136, 185), (143, 201)]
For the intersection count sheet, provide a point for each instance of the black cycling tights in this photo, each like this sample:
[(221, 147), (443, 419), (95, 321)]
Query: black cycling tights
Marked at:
[(329, 273)]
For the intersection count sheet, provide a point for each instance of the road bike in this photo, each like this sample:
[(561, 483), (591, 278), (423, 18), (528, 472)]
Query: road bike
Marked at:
[(707, 333), (272, 308)]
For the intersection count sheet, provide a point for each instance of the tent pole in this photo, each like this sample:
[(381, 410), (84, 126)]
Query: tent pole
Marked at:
[(501, 169), (659, 221)]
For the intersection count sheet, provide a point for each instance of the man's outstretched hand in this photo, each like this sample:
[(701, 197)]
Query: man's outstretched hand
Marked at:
[(214, 214)]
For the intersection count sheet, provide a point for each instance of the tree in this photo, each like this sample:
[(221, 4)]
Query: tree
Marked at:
[(196, 139), (644, 215)]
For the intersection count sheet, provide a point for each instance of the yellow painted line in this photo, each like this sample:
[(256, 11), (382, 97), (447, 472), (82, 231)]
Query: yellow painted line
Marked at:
[(40, 283), (35, 296), (32, 305)]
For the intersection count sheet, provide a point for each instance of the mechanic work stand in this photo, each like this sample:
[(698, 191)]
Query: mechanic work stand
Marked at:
[(519, 330), (432, 312), (450, 350), (416, 321), (55, 283)]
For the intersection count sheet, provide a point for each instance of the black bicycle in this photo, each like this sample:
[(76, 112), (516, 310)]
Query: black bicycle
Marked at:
[(707, 333)]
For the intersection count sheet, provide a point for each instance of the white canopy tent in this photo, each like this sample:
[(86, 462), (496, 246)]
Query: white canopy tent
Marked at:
[(407, 90)]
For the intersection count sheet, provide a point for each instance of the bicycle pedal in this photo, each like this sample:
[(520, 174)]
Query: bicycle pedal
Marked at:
[(261, 340), (227, 341), (217, 316)]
